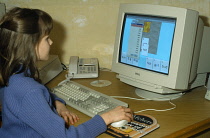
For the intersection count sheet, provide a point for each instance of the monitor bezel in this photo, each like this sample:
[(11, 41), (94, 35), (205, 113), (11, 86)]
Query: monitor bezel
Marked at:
[(182, 49)]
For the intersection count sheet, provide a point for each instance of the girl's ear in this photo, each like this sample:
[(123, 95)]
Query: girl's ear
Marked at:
[(37, 51)]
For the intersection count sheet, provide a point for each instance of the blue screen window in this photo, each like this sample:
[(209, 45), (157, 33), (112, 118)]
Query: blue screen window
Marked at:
[(146, 42)]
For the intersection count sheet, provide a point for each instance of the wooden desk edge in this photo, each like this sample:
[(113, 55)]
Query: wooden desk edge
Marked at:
[(183, 133), (191, 130)]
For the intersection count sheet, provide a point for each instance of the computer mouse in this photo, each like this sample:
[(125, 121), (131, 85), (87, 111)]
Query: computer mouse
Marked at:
[(119, 123)]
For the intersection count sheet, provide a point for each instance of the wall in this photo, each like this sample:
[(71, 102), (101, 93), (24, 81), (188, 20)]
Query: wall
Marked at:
[(87, 27)]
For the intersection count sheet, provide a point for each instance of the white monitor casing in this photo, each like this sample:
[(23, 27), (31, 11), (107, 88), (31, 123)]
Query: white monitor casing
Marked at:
[(188, 64)]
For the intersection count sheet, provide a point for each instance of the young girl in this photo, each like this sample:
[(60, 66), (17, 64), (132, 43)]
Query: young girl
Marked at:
[(28, 108)]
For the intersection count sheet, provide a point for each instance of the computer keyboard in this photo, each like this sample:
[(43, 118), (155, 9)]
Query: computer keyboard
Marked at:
[(86, 100)]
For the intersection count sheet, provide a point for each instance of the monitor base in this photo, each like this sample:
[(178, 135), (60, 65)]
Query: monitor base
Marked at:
[(157, 96)]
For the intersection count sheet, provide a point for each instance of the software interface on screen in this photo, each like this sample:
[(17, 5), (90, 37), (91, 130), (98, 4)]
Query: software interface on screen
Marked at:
[(146, 42)]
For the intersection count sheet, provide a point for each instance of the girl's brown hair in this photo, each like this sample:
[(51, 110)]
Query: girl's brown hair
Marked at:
[(21, 29)]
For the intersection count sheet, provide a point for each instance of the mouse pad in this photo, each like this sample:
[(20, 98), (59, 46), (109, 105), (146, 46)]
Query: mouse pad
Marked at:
[(140, 126)]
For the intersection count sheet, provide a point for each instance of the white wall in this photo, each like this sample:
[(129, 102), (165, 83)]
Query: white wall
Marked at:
[(87, 27)]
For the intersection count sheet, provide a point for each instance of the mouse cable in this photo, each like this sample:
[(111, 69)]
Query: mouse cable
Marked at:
[(159, 110)]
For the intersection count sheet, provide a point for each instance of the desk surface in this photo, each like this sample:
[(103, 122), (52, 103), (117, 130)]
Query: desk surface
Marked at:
[(191, 114)]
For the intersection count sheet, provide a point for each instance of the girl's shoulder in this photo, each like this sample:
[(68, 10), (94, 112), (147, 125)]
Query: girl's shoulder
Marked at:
[(19, 81)]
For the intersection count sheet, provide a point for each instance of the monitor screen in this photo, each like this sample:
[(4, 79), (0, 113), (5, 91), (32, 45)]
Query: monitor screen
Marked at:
[(146, 42)]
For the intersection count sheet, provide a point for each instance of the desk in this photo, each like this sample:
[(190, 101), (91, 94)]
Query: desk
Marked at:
[(191, 116)]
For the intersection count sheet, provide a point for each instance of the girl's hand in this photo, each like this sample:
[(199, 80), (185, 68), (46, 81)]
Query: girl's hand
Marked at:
[(117, 114), (69, 117)]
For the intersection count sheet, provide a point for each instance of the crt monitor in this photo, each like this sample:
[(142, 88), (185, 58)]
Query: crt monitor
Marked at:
[(161, 50)]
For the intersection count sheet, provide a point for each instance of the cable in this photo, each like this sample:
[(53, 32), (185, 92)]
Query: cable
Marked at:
[(153, 99), (64, 66), (67, 79), (130, 98), (159, 110)]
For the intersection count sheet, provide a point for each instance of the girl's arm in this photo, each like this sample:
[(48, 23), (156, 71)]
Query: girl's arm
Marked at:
[(69, 117)]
